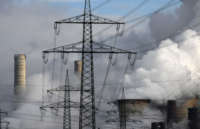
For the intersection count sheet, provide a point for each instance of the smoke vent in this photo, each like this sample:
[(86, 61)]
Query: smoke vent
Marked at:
[(20, 73)]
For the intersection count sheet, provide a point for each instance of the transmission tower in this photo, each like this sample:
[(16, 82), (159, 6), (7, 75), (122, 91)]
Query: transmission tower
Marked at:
[(87, 47), (65, 104), (67, 108)]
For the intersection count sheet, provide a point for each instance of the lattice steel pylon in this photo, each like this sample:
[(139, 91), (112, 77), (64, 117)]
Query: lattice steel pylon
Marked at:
[(87, 47), (66, 104)]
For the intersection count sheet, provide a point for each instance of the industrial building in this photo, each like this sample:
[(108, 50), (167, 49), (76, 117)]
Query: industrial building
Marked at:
[(172, 113), (136, 111)]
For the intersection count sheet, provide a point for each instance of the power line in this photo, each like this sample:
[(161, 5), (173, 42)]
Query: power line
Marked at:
[(140, 20), (168, 36), (130, 12), (110, 56), (101, 5)]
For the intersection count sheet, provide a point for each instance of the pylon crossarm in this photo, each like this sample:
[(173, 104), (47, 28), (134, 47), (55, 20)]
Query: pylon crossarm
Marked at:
[(62, 88), (97, 48), (104, 48), (59, 105), (73, 20), (94, 20), (100, 20), (65, 47)]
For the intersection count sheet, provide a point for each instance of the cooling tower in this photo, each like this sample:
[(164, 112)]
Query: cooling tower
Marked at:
[(78, 67), (133, 105), (20, 73), (127, 107), (178, 110)]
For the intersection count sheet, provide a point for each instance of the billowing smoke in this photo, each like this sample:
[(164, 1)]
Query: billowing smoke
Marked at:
[(161, 26), (164, 24), (28, 111), (169, 72)]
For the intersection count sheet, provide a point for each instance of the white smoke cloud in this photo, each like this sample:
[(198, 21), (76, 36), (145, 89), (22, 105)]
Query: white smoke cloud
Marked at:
[(28, 113), (168, 72)]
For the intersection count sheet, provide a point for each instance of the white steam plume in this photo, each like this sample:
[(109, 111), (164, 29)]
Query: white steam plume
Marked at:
[(169, 72)]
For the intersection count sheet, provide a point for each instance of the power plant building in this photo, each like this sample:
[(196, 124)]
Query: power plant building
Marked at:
[(171, 114), (20, 73), (178, 110), (129, 108)]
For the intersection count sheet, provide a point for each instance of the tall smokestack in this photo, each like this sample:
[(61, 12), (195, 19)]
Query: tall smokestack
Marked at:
[(20, 74), (78, 67)]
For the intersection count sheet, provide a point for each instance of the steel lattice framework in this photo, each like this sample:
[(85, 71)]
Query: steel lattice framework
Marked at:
[(66, 104), (87, 47)]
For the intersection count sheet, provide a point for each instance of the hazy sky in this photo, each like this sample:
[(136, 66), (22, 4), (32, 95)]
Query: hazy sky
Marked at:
[(27, 26)]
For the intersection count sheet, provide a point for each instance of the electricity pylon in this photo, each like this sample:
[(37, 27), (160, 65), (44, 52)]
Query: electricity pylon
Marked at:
[(65, 104), (66, 107), (87, 47)]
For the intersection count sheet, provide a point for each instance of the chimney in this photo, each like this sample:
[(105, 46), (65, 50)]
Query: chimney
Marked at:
[(20, 74)]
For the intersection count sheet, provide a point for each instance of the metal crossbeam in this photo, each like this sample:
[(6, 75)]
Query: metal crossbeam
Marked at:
[(97, 48), (59, 105), (94, 20), (62, 88)]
